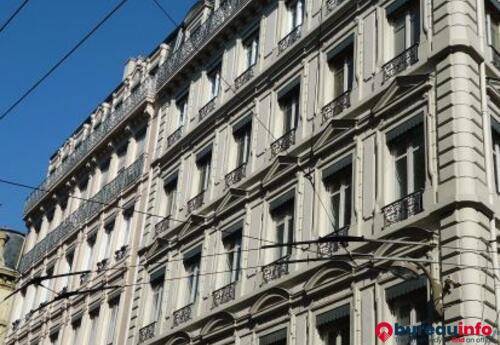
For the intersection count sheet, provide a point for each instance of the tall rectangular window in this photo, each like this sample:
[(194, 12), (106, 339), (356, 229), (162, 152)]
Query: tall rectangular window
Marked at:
[(243, 137), (341, 66), (171, 198), (140, 141), (405, 24), (496, 157), (94, 327), (50, 284), (289, 105), (104, 173), (107, 243), (495, 29), (232, 263), (214, 82), (54, 338), (76, 330), (204, 165), (182, 110), (113, 317), (121, 155), (156, 298), (408, 161), (339, 189), (283, 218), (90, 252), (192, 268), (295, 13), (127, 225), (251, 49)]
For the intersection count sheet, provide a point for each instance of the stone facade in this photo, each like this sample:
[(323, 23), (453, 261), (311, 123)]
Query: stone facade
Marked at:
[(267, 122)]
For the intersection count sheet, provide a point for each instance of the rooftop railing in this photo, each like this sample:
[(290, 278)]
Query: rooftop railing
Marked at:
[(89, 208), (95, 138)]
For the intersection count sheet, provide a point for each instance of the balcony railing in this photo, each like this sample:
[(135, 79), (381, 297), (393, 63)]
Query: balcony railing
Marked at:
[(283, 143), (236, 175), (403, 208), (290, 39), (147, 332), (95, 138), (276, 269), (496, 57), (162, 226), (336, 106), (333, 4), (84, 278), (194, 43), (401, 62), (208, 108), (183, 315), (121, 253), (102, 265), (224, 294), (175, 136), (245, 77), (84, 213), (196, 202), (327, 249)]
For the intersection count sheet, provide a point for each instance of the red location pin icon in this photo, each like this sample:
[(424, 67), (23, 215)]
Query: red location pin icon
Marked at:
[(383, 330)]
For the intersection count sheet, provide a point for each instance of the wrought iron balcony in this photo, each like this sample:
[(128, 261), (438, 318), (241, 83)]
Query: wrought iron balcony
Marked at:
[(15, 325), (326, 249), (245, 77), (86, 211), (283, 143), (145, 90), (102, 265), (84, 278), (198, 38), (332, 4), (290, 39), (208, 108), (196, 202), (276, 269), (147, 332), (236, 175), (183, 315), (224, 294), (162, 226), (121, 253), (496, 57), (403, 208), (401, 62), (336, 106), (175, 136)]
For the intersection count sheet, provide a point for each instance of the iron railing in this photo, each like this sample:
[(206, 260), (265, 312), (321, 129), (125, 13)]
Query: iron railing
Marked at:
[(224, 294), (332, 4), (194, 43), (401, 62), (283, 143), (116, 117), (236, 175), (245, 77), (336, 106), (403, 208), (147, 332), (196, 202), (162, 226), (121, 253), (290, 39), (183, 315), (275, 269), (86, 211), (102, 265), (175, 136), (208, 108), (496, 57), (326, 249)]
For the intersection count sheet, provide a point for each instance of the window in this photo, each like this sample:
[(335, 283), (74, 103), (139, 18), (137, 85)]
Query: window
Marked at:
[(408, 162), (121, 155), (108, 232), (289, 105), (242, 137), (495, 30), (232, 263), (496, 157), (104, 173), (341, 67), (339, 189), (140, 142), (182, 109), (171, 198), (113, 317), (192, 267), (83, 188), (127, 225), (333, 326), (283, 223), (76, 328), (295, 14), (274, 338), (157, 298), (405, 24), (54, 338), (94, 327), (204, 165), (410, 310), (68, 268), (90, 252), (251, 49), (49, 272), (214, 82)]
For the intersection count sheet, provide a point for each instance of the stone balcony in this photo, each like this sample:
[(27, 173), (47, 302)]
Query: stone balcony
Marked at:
[(401, 62), (132, 102), (337, 106), (87, 210), (403, 208)]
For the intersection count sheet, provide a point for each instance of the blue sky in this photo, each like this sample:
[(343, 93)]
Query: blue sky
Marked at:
[(31, 44)]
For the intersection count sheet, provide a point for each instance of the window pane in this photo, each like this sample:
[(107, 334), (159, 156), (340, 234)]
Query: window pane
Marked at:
[(335, 199), (399, 34), (401, 187)]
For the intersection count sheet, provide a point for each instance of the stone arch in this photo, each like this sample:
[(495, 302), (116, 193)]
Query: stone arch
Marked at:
[(327, 273), (218, 321), (270, 298), (178, 338)]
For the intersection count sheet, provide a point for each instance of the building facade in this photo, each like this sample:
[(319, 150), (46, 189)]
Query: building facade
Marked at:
[(268, 122)]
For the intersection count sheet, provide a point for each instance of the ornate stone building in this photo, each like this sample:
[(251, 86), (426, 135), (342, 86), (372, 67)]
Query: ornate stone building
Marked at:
[(267, 122)]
